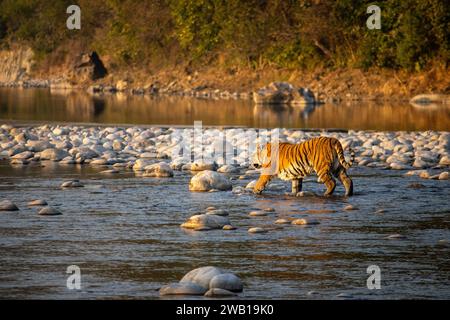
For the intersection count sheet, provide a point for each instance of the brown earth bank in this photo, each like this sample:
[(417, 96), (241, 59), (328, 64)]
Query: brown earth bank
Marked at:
[(18, 67)]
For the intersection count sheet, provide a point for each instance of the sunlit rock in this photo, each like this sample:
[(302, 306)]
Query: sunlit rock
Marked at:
[(208, 180), (7, 205), (53, 154), (159, 170)]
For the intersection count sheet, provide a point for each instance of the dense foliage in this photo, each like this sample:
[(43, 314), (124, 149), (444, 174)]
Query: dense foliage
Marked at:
[(286, 33)]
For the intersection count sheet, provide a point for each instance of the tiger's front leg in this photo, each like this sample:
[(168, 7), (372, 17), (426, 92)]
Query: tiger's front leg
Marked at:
[(261, 183), (296, 186)]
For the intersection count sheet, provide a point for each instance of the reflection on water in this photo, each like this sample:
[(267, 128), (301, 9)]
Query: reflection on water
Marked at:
[(78, 106)]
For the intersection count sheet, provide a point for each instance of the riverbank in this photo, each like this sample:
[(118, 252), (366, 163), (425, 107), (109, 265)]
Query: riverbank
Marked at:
[(326, 85), (95, 74)]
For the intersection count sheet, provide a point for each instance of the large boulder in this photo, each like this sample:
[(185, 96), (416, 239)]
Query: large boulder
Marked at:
[(208, 180), (283, 93), (202, 276), (210, 281)]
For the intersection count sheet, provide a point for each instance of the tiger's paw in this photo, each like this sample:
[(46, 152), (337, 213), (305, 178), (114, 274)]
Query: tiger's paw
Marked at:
[(257, 191)]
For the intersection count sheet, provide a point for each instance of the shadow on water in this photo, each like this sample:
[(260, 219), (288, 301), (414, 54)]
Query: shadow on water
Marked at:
[(79, 106)]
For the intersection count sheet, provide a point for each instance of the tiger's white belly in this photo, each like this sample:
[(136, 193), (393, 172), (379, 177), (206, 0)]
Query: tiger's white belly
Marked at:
[(291, 175)]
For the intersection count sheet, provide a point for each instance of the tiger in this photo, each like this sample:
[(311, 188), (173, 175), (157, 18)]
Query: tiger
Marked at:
[(323, 155)]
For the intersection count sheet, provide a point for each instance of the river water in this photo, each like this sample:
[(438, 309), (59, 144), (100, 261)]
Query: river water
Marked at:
[(74, 106), (123, 230)]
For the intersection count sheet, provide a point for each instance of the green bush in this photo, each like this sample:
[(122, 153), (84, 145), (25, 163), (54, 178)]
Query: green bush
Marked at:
[(285, 33)]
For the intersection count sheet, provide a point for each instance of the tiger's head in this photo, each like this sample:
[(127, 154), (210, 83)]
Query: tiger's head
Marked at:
[(261, 158)]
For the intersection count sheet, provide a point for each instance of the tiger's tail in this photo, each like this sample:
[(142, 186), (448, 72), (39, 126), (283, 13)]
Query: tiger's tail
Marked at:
[(341, 157)]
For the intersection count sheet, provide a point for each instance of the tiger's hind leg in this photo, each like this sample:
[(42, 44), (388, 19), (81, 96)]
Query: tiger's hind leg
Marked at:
[(325, 176), (296, 186), (347, 182), (329, 182)]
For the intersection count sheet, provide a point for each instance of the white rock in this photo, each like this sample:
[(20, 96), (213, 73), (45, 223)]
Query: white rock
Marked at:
[(23, 155), (7, 205), (257, 213), (444, 175), (71, 184), (37, 203), (257, 230), (140, 164), (159, 170), (251, 184), (199, 166), (53, 154), (202, 276), (226, 281), (282, 221), (49, 211), (39, 146), (445, 160), (228, 169), (99, 162), (399, 166), (207, 180)]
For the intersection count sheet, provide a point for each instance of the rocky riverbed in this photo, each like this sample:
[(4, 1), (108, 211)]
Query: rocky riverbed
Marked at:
[(426, 154)]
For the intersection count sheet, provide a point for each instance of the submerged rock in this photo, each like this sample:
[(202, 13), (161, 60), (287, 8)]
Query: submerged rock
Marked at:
[(217, 292), (396, 236), (218, 212), (304, 222), (184, 288), (49, 211), (205, 222), (7, 205), (72, 184), (258, 213), (208, 180), (257, 230), (38, 202), (282, 221)]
